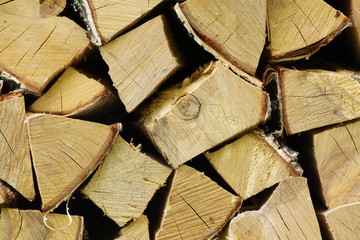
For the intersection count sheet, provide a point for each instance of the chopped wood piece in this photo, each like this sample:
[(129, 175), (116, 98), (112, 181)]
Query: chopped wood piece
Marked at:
[(197, 208), (65, 151), (33, 8), (315, 98), (140, 60), (235, 29), (287, 214), (337, 158), (254, 162), (297, 29), (342, 222), (74, 94), (15, 161), (138, 229), (212, 106), (35, 50), (29, 225), (125, 182), (51, 7), (105, 20), (355, 30)]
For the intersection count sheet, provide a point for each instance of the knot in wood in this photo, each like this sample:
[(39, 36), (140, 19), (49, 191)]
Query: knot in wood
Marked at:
[(187, 107)]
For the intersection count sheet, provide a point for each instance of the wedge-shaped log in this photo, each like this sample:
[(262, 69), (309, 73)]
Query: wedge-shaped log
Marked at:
[(212, 106), (297, 29), (140, 60), (341, 222), (15, 162), (235, 29), (29, 225), (65, 151), (337, 160), (74, 94), (287, 214), (315, 98), (125, 182), (105, 20), (254, 162), (197, 207), (138, 229)]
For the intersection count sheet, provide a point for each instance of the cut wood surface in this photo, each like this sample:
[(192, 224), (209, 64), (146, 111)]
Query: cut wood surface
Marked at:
[(342, 222), (355, 19), (29, 225), (65, 151), (212, 106), (138, 229), (287, 214), (254, 162), (197, 207), (235, 29), (105, 20), (315, 98), (15, 161), (140, 60), (297, 29), (33, 8), (74, 94), (125, 182), (337, 158)]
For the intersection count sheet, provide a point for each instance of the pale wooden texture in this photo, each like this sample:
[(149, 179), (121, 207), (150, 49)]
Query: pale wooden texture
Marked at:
[(15, 162), (65, 151), (125, 182), (355, 19), (336, 153), (236, 29), (313, 99), (34, 50), (299, 28), (73, 94), (254, 162), (29, 225), (342, 222), (212, 106), (33, 8), (287, 214), (197, 207), (51, 7), (138, 229), (140, 60)]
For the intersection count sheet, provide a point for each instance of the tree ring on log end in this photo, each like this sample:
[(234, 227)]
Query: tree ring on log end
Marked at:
[(187, 107)]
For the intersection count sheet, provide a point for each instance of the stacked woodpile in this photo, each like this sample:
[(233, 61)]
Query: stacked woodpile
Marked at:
[(164, 119)]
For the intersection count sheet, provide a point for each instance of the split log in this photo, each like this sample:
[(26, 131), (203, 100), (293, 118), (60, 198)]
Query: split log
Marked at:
[(65, 151), (212, 106), (125, 182), (33, 8), (138, 229), (355, 30), (140, 60), (75, 94), (197, 207), (297, 29), (315, 98), (287, 214), (254, 162), (233, 29), (15, 161), (341, 222), (106, 20), (51, 7), (29, 225)]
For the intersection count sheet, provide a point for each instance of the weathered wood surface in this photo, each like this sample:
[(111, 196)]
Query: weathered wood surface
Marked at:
[(138, 229)]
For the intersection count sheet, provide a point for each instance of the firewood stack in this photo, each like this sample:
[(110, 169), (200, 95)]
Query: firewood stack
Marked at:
[(223, 119)]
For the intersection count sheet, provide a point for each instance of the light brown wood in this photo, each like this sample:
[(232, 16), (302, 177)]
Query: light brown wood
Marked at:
[(337, 158), (342, 222), (315, 98), (355, 30), (287, 214), (33, 8), (65, 151), (15, 161), (254, 162), (125, 182), (75, 94), (29, 225), (137, 229), (197, 207), (51, 7), (140, 60), (8, 197), (212, 106), (297, 29), (235, 29)]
